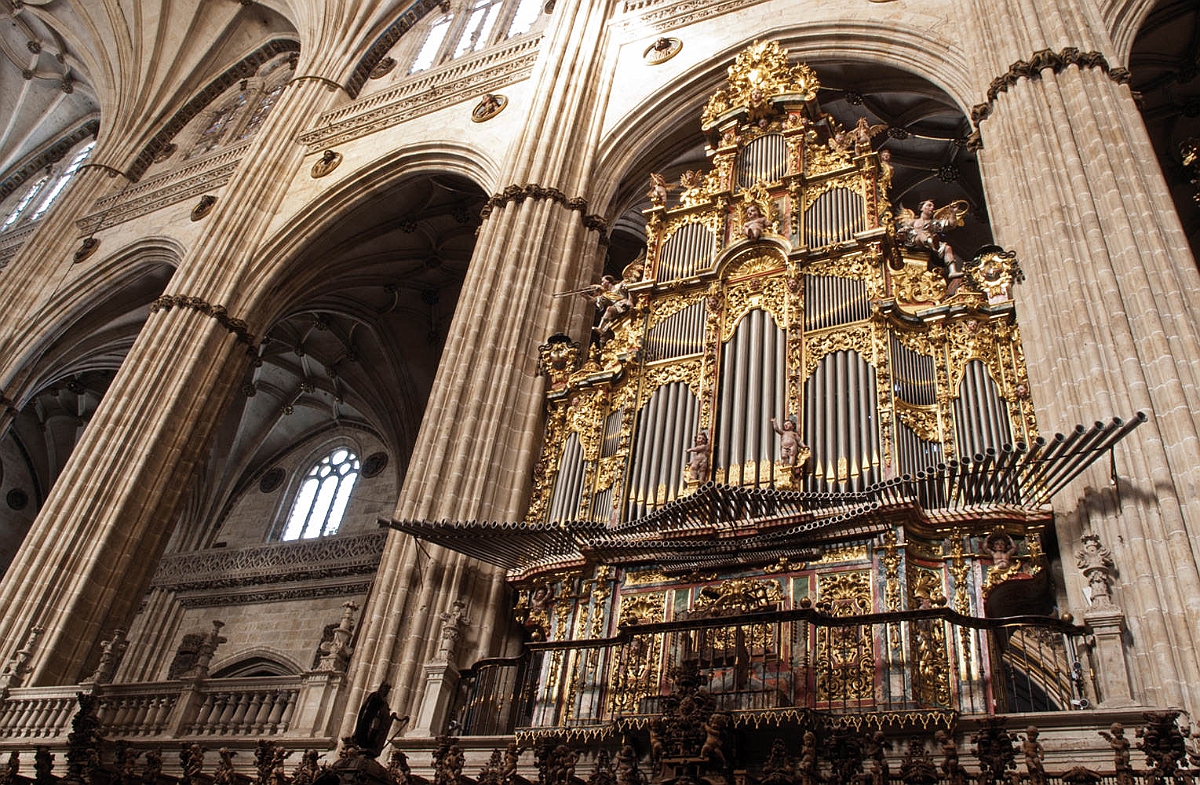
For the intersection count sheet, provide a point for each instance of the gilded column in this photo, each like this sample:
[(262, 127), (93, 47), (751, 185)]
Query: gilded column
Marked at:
[(1109, 317), (481, 430)]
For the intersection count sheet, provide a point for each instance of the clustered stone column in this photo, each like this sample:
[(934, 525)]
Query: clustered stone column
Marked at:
[(480, 437), (87, 559), (1110, 322)]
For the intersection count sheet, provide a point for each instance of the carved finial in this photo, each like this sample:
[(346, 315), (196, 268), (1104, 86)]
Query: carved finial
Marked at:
[(335, 653)]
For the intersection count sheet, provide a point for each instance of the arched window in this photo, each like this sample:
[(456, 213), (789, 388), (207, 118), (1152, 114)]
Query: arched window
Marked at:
[(67, 175), (324, 493), (25, 200), (211, 136), (260, 114), (433, 43)]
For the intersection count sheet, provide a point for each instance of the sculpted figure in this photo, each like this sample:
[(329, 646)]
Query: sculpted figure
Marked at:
[(1120, 747), (885, 170), (1002, 549), (789, 441), (612, 300), (698, 461), (1034, 754), (374, 722), (927, 229), (1096, 563), (658, 189), (713, 749), (863, 131), (808, 759), (754, 223)]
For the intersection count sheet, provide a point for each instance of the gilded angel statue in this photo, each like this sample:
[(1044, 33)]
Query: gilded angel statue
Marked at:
[(863, 133), (927, 230)]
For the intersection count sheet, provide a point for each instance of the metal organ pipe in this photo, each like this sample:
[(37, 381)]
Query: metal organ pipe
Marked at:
[(834, 217), (764, 159), (981, 416), (568, 484), (666, 428), (685, 251)]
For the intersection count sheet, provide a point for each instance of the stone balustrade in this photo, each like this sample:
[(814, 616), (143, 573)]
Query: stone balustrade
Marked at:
[(252, 707)]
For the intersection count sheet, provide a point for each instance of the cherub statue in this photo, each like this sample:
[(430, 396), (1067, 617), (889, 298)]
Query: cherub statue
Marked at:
[(754, 223), (1034, 755), (863, 132), (807, 768), (789, 440), (611, 296), (659, 188), (1120, 747), (713, 749), (885, 170), (1002, 549), (698, 460), (927, 229)]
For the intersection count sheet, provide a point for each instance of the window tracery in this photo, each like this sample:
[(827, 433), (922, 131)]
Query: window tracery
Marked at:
[(471, 27), (322, 498)]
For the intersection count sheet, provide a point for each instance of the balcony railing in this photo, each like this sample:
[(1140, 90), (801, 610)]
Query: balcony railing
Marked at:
[(887, 668), (258, 707)]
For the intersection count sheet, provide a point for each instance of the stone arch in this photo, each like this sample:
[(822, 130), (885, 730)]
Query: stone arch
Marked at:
[(256, 661), (1124, 20), (274, 264), (893, 44), (71, 306)]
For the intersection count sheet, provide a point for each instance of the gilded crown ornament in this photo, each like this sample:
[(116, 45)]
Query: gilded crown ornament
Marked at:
[(760, 72)]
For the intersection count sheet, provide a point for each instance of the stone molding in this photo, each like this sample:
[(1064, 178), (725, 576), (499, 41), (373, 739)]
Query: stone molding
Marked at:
[(424, 94), (11, 242), (236, 326), (243, 69), (222, 599), (306, 560), (660, 15), (384, 43), (519, 193), (1032, 69), (180, 185)]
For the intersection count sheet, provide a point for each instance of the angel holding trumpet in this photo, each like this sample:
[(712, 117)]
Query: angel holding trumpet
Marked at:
[(927, 229)]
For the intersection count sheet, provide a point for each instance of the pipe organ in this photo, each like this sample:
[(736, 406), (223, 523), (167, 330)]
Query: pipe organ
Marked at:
[(775, 287), (796, 417)]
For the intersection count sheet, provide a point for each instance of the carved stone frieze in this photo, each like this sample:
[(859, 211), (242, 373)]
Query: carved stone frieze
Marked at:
[(662, 15), (172, 188), (464, 80), (223, 568), (519, 193), (1032, 69)]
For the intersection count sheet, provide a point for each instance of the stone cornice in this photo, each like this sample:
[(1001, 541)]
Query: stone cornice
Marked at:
[(519, 193), (424, 94), (658, 16), (1032, 69), (12, 240), (225, 598), (306, 560), (236, 326)]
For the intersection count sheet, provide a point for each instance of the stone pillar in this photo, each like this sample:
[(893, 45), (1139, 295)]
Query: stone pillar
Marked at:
[(1110, 321), (481, 433), (87, 559)]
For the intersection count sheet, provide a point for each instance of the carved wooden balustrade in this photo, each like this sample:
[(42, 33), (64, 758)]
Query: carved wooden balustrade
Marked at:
[(888, 669)]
